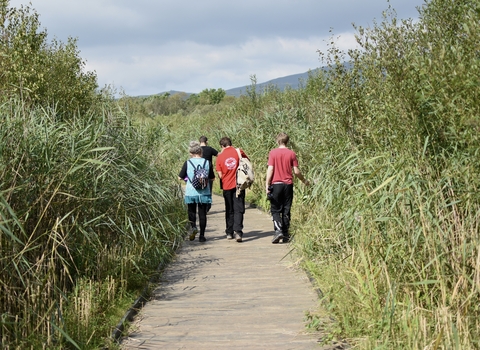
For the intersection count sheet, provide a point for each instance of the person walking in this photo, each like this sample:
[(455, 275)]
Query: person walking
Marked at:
[(196, 198), (208, 153), (279, 186), (226, 167)]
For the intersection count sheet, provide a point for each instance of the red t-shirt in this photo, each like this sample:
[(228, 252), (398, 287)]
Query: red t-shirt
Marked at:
[(227, 164), (282, 160)]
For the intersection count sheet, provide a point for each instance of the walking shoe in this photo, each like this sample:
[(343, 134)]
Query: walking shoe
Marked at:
[(286, 238), (229, 235), (202, 239), (277, 237), (193, 233), (238, 236)]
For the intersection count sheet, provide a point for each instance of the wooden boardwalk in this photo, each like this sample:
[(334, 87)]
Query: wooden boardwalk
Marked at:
[(222, 294)]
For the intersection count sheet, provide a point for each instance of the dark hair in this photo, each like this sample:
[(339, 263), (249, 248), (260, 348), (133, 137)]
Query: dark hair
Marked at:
[(203, 139), (225, 142)]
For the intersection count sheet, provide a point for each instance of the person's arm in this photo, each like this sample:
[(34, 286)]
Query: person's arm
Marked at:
[(268, 181), (183, 172), (300, 176), (211, 174), (218, 168)]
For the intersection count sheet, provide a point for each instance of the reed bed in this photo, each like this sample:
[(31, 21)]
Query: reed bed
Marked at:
[(88, 212)]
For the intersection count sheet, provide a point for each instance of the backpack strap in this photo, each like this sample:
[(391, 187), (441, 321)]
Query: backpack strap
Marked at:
[(193, 166), (239, 154), (196, 167)]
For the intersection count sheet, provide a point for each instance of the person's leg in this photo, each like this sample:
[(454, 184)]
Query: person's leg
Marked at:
[(211, 186), (276, 209), (192, 214), (209, 205), (239, 212), (229, 213), (202, 217), (288, 200), (192, 218)]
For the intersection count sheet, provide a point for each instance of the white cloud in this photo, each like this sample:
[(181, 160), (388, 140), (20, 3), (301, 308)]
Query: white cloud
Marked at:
[(192, 67), (148, 46)]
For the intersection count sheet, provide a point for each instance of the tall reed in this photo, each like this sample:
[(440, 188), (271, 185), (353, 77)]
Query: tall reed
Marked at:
[(86, 205)]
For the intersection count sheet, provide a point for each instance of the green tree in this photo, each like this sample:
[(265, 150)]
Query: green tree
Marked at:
[(42, 73), (212, 96)]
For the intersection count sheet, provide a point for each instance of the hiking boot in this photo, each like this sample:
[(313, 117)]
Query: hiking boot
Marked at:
[(238, 236), (277, 237), (202, 239), (193, 233), (229, 235)]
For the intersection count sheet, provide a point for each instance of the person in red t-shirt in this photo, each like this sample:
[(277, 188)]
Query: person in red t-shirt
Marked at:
[(226, 166), (279, 186)]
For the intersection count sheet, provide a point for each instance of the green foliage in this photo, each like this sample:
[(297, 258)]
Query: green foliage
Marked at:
[(85, 199), (50, 75), (397, 191), (211, 96), (148, 108), (166, 104)]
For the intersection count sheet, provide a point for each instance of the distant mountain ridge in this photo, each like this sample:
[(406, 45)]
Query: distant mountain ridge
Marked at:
[(293, 81)]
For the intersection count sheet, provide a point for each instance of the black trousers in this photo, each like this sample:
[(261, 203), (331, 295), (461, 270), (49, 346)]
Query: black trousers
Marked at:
[(280, 206), (209, 205), (202, 216), (234, 210)]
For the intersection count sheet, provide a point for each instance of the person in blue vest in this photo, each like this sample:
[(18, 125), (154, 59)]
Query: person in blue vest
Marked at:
[(196, 198)]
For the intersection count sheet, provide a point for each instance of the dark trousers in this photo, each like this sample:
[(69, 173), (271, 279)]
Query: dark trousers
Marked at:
[(209, 205), (202, 216), (280, 205), (234, 210)]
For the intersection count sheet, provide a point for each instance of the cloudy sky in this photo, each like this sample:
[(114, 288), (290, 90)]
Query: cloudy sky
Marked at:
[(145, 47)]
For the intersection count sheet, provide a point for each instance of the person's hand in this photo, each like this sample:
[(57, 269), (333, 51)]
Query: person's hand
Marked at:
[(269, 192)]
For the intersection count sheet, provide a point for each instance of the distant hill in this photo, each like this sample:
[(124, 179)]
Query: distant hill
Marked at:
[(293, 81)]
